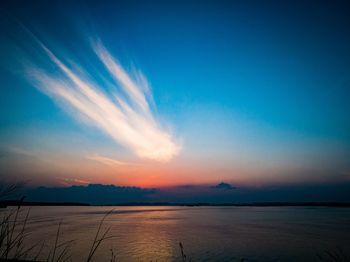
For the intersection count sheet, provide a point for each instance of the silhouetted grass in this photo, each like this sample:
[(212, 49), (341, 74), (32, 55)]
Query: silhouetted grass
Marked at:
[(9, 189), (98, 240), (337, 255), (183, 255), (13, 233)]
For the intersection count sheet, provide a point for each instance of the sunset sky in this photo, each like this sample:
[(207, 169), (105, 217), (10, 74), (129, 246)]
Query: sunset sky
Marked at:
[(165, 93)]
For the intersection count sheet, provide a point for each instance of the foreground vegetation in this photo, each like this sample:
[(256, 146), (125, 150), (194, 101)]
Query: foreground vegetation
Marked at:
[(14, 233)]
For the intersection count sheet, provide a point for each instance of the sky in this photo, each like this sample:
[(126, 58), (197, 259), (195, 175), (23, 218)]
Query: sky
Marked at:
[(173, 93)]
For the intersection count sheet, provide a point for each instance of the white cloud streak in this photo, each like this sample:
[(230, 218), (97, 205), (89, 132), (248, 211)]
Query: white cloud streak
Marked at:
[(108, 161), (130, 122)]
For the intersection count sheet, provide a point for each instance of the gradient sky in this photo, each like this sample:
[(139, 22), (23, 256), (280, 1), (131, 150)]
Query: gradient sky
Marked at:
[(162, 93)]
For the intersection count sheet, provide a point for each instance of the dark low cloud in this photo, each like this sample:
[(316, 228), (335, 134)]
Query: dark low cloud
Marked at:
[(220, 193), (92, 194), (224, 186), (226, 193)]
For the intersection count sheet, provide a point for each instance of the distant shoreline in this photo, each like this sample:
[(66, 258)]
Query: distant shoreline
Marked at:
[(253, 204)]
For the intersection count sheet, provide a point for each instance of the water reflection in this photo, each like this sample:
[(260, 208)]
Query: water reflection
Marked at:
[(208, 233), (151, 237)]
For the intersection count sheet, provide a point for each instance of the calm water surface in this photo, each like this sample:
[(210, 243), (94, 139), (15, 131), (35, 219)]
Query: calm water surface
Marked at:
[(207, 233)]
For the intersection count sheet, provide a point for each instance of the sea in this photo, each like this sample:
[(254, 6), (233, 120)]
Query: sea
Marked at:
[(154, 233)]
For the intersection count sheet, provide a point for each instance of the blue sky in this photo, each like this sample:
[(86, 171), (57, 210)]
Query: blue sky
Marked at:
[(248, 91)]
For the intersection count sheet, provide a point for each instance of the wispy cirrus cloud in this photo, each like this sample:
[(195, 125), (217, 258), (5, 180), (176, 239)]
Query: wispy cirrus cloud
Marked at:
[(108, 161), (73, 181), (127, 119)]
